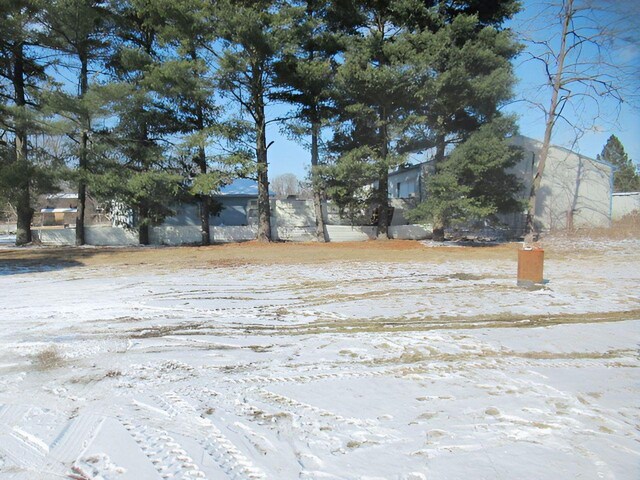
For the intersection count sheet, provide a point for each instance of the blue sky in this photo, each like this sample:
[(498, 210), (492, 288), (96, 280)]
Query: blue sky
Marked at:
[(622, 120)]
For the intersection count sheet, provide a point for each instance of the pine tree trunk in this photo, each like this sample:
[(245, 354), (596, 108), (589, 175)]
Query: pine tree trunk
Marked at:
[(82, 166), (143, 227), (438, 230), (264, 206), (383, 209), (439, 222), (201, 160), (316, 185), (205, 212), (23, 202), (143, 234), (205, 202), (82, 196), (383, 183), (24, 213)]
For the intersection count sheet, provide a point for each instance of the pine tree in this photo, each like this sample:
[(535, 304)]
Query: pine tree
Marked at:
[(473, 182), (375, 95), (422, 76), (626, 177), (21, 73), (78, 30), (252, 37), (306, 71), (468, 76), (185, 84), (140, 174)]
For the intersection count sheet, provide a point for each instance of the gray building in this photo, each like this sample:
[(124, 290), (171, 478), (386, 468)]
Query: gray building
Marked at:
[(576, 191), (407, 181), (237, 199), (625, 203)]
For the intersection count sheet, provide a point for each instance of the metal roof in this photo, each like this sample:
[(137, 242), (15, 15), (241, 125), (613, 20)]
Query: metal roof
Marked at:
[(56, 196), (59, 210), (240, 187)]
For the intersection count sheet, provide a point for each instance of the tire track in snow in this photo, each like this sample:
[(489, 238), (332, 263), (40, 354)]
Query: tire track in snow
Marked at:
[(12, 414), (310, 409), (29, 452), (214, 442), (308, 378), (167, 456), (268, 415), (400, 370), (74, 438)]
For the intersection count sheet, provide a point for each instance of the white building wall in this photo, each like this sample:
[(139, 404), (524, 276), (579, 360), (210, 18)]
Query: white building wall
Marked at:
[(347, 233), (405, 183), (624, 204), (292, 220), (575, 191)]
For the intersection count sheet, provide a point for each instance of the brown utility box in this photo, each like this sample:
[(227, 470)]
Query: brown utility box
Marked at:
[(530, 266)]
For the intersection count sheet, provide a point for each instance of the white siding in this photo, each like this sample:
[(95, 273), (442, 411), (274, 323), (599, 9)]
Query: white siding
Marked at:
[(624, 204), (346, 233), (575, 191)]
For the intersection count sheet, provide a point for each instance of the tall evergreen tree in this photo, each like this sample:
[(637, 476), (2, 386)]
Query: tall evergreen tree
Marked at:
[(141, 174), (306, 71), (78, 29), (21, 72), (421, 76), (626, 178), (473, 182), (376, 94), (184, 80), (468, 78), (252, 38)]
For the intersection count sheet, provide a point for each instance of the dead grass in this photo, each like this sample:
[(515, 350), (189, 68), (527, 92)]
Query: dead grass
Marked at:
[(628, 227), (48, 359), (403, 324), (579, 245), (250, 253)]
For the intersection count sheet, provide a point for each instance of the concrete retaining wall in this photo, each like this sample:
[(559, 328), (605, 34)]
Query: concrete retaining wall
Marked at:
[(105, 236), (410, 232), (347, 233), (163, 235), (292, 220), (175, 235), (190, 234), (7, 228), (234, 234), (58, 236)]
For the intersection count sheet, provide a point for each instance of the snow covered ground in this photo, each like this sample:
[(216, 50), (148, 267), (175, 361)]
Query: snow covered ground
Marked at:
[(339, 370)]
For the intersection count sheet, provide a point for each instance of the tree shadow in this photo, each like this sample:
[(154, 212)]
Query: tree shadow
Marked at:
[(24, 260), (466, 243), (23, 267)]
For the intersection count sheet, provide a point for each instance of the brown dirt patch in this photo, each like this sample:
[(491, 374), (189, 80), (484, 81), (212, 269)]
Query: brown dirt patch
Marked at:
[(251, 253)]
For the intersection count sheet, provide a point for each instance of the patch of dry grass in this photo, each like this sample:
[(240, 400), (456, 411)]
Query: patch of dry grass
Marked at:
[(48, 359), (404, 324), (250, 253), (583, 242)]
